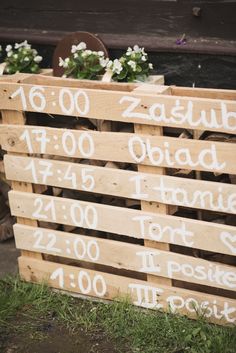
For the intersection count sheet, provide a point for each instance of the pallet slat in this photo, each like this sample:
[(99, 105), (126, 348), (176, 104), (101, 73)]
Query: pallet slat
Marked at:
[(135, 185), (161, 110), (148, 295), (123, 147)]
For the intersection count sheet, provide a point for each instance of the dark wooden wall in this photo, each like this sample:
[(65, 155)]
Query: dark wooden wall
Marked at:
[(157, 23)]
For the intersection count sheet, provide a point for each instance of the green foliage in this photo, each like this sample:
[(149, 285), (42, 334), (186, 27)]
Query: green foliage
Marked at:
[(87, 64), (22, 59), (83, 64), (132, 66), (135, 329), (155, 332)]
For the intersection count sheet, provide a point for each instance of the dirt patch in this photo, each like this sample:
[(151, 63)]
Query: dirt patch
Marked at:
[(8, 258), (50, 337)]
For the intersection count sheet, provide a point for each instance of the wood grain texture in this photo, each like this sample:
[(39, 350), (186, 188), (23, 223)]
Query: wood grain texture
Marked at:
[(160, 265), (137, 224), (109, 181), (155, 107), (150, 295), (18, 118), (141, 148), (211, 32), (159, 208), (148, 109)]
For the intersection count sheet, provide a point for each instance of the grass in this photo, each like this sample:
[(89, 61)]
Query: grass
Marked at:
[(136, 329)]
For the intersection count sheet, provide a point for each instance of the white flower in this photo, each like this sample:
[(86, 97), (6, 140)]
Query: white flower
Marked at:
[(65, 63), (26, 58), (15, 56), (76, 55), (81, 46), (143, 58), (117, 67), (23, 45), (137, 49), (132, 64), (100, 53), (61, 62), (9, 54), (73, 49), (8, 48), (38, 58), (143, 51), (109, 64), (129, 51), (103, 62), (64, 76), (86, 53), (150, 65)]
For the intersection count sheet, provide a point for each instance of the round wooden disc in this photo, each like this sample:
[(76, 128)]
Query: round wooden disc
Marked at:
[(63, 48)]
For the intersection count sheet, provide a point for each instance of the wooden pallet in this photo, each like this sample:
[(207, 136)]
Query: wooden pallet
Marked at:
[(144, 251)]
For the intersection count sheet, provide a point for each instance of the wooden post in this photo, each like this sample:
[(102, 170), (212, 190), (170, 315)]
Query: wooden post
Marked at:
[(18, 118), (196, 135), (153, 206)]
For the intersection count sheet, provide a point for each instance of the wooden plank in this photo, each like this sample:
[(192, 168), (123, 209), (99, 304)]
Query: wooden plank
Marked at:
[(160, 208), (160, 110), (204, 92), (198, 176), (16, 78), (18, 118), (138, 224), (106, 17), (70, 82), (151, 43), (212, 33), (123, 183), (46, 72), (149, 295), (126, 256), (140, 148)]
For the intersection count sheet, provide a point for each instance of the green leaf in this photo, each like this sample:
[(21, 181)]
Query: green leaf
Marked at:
[(122, 75), (188, 338), (96, 68), (138, 69)]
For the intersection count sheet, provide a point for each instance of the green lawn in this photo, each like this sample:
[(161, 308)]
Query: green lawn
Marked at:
[(130, 328)]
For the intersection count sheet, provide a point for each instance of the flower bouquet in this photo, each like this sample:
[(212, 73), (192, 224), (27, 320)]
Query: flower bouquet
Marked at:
[(20, 58), (133, 66)]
